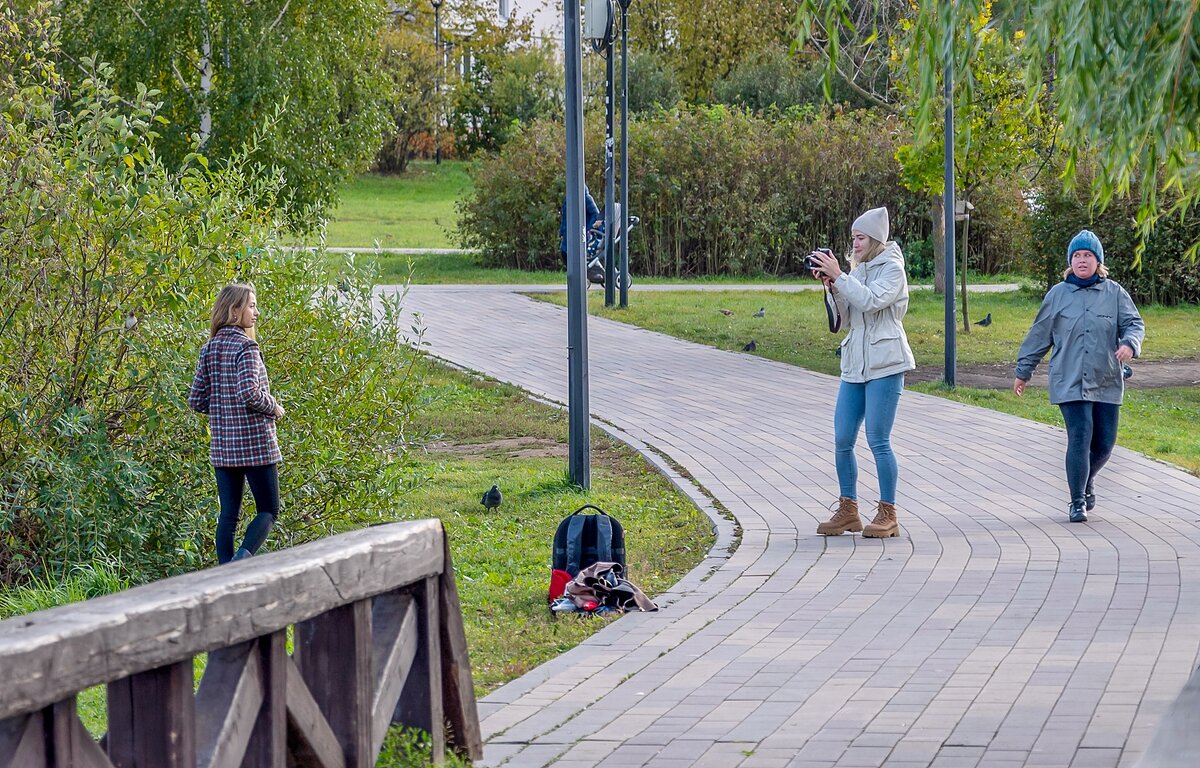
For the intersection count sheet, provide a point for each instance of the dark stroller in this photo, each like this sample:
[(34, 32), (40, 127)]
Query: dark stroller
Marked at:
[(594, 245)]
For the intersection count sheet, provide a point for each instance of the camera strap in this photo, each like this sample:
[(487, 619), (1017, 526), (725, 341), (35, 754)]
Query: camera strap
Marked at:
[(832, 313)]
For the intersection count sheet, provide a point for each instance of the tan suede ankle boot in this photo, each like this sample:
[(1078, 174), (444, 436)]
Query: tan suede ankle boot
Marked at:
[(884, 524), (844, 519)]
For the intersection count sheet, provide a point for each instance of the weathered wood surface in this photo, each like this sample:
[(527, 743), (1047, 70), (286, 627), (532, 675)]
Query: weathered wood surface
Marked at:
[(151, 719), (23, 741), (458, 689), (421, 702), (50, 655), (394, 644), (1176, 741), (311, 741), (227, 704), (333, 655)]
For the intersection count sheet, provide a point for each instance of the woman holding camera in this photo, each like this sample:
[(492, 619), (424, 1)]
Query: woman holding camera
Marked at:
[(872, 299), (1095, 329)]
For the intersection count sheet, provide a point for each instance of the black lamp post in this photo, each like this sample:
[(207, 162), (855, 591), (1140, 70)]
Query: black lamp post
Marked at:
[(437, 47)]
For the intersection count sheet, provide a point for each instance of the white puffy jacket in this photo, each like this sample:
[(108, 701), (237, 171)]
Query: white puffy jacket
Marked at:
[(873, 299)]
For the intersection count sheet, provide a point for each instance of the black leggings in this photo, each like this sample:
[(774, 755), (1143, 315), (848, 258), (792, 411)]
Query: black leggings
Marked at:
[(1091, 435), (264, 484)]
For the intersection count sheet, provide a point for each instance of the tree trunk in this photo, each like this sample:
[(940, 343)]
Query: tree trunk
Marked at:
[(937, 213), (205, 67), (966, 247)]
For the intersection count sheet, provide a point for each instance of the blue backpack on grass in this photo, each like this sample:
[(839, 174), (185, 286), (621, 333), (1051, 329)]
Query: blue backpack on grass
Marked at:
[(582, 539)]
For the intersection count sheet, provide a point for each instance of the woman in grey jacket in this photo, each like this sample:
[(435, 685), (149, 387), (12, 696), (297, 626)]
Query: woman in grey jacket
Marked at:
[(1095, 329), (872, 299)]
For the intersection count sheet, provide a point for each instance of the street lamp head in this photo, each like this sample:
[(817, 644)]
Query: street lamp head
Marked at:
[(436, 3)]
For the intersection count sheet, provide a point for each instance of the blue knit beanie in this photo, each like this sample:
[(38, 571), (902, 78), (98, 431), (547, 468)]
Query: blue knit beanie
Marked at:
[(1086, 240)]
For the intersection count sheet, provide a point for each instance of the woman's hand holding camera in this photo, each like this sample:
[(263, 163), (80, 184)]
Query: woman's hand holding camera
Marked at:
[(825, 265)]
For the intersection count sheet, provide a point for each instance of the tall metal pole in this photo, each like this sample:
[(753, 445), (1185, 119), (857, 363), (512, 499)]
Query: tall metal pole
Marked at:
[(624, 287), (437, 47), (948, 201), (578, 423), (610, 219)]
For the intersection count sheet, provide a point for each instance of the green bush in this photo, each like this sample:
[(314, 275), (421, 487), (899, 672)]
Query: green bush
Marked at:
[(1165, 275), (718, 190), (111, 264)]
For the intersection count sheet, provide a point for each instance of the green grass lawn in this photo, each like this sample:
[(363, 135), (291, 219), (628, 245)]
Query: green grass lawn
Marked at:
[(793, 329), (411, 210), (1159, 422)]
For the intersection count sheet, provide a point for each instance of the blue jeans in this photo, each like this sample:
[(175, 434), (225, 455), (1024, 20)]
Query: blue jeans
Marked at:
[(1091, 435), (875, 402), (231, 483)]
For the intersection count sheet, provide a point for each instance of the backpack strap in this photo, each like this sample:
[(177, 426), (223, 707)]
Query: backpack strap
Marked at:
[(575, 543), (604, 538)]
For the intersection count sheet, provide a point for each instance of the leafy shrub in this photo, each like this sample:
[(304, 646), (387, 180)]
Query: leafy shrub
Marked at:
[(111, 264), (719, 191), (1165, 275), (653, 84)]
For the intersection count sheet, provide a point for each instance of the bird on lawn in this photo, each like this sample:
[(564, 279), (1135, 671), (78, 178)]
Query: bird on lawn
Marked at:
[(492, 498), (750, 346), (726, 312), (762, 312), (986, 321)]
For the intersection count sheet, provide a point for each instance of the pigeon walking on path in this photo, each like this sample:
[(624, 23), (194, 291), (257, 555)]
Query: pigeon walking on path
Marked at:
[(492, 498), (986, 321), (750, 346), (762, 312)]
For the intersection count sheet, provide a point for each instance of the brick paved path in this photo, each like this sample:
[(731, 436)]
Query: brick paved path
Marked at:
[(991, 633)]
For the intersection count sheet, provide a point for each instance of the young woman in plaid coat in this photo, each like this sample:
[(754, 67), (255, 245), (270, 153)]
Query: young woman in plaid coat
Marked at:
[(231, 387)]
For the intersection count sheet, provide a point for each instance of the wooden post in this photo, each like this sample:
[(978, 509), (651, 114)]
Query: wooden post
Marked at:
[(23, 741), (333, 654), (420, 704), (268, 740), (458, 688), (151, 719), (71, 746)]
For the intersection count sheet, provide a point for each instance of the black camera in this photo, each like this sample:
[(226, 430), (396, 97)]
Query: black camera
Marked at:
[(810, 263)]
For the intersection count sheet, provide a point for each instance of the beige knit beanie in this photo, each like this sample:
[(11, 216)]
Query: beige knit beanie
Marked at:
[(874, 223)]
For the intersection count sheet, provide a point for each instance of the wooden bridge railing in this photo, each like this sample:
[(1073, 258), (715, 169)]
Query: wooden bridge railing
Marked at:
[(378, 639)]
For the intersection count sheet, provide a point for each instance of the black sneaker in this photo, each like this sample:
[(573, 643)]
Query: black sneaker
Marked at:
[(1089, 501), (1076, 511)]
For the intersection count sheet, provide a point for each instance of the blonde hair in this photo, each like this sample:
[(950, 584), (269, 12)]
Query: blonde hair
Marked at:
[(231, 303), (1100, 270), (874, 248)]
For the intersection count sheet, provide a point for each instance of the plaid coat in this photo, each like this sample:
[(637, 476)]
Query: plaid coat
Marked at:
[(231, 387)]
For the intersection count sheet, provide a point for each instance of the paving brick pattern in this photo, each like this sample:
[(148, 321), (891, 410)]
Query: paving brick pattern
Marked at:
[(991, 634)]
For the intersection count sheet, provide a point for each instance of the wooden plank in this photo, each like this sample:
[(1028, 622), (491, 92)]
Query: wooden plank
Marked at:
[(420, 703), (227, 705), (48, 655), (23, 741), (70, 743), (458, 689), (151, 719), (268, 740), (334, 658), (394, 645), (311, 742)]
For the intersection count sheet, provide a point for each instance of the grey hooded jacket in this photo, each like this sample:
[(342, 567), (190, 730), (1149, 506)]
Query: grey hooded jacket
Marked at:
[(1085, 326), (873, 299)]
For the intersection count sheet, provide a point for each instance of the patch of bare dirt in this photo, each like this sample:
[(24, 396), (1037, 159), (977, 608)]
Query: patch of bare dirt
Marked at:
[(1147, 374), (512, 447)]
